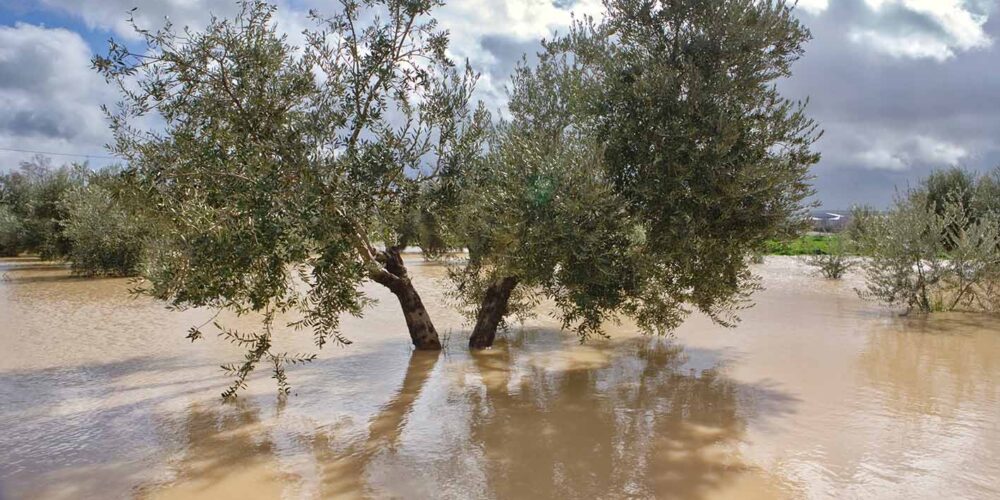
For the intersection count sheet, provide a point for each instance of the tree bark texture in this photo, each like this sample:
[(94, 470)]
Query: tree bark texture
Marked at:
[(422, 332), (491, 312)]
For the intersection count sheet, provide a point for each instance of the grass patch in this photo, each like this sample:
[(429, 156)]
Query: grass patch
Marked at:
[(805, 245)]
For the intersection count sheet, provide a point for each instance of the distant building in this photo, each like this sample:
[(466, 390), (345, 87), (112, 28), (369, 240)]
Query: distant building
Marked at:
[(829, 222)]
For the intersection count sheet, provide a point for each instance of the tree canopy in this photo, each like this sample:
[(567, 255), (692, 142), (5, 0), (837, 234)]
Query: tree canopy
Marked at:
[(279, 167), (644, 158), (647, 156)]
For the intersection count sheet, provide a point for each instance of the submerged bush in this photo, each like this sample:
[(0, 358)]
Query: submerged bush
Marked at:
[(32, 196), (836, 261), (932, 256), (11, 232), (105, 238)]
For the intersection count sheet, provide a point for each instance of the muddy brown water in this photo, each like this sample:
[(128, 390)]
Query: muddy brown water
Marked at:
[(815, 395)]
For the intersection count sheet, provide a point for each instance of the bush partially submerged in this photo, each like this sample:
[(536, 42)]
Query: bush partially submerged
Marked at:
[(835, 262), (30, 199), (11, 232), (105, 238), (932, 256)]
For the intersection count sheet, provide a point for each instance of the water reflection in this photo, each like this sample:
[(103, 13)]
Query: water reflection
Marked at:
[(342, 472), (816, 394), (932, 398), (934, 365), (227, 453), (640, 425)]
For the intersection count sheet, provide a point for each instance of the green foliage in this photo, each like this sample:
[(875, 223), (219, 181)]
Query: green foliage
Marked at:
[(106, 238), (804, 245), (12, 233), (32, 196), (930, 256), (987, 196), (835, 260), (646, 158), (979, 195), (862, 218), (271, 186)]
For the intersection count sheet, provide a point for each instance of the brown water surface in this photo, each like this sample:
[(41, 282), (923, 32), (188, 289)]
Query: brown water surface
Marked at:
[(815, 395)]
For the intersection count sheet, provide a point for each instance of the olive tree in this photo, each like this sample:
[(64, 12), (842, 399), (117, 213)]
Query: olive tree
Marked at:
[(648, 156), (930, 256), (281, 176), (32, 196), (11, 232), (541, 220), (106, 236), (987, 197)]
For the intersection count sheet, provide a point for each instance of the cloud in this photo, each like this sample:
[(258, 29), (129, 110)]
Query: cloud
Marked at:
[(490, 34), (814, 7), (903, 153), (50, 96), (493, 34), (112, 15), (900, 86), (889, 119), (935, 29)]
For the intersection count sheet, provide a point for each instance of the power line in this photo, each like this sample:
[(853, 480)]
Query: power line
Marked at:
[(51, 153)]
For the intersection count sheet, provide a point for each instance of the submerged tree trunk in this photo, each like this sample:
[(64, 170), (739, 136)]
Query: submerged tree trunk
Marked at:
[(491, 312), (422, 332)]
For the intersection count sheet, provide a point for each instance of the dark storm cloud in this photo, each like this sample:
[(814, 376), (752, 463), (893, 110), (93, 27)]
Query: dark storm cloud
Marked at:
[(899, 89), (26, 123), (890, 119), (507, 52)]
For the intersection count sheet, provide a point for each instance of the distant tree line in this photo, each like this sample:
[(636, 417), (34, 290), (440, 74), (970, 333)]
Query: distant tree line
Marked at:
[(70, 213)]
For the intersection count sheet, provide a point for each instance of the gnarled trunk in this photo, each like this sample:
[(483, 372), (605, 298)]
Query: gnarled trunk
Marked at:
[(422, 332), (491, 312)]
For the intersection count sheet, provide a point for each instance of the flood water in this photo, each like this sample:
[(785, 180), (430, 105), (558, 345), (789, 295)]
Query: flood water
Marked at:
[(815, 395)]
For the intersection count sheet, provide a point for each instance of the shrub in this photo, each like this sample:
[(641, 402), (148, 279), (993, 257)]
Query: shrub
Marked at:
[(932, 257), (11, 232), (32, 194), (105, 238), (835, 261)]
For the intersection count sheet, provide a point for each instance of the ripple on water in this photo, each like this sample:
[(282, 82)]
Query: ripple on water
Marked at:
[(815, 394)]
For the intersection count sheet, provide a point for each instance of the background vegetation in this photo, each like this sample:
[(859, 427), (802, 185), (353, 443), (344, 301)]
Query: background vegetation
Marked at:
[(938, 247), (813, 244), (70, 213)]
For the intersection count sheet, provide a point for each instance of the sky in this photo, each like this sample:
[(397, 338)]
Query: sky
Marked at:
[(899, 87)]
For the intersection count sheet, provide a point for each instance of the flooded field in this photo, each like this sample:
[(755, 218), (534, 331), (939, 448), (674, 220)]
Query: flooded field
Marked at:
[(815, 395)]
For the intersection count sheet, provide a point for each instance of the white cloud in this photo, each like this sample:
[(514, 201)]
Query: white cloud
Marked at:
[(910, 45), (49, 94), (934, 29), (521, 19), (881, 159), (814, 7), (898, 154), (468, 21), (112, 15)]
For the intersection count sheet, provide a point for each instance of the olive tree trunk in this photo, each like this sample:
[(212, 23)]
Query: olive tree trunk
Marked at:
[(491, 312), (422, 332)]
